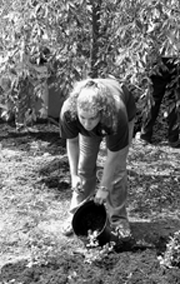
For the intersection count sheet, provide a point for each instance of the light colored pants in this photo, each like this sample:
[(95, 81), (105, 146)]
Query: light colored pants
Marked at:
[(116, 202)]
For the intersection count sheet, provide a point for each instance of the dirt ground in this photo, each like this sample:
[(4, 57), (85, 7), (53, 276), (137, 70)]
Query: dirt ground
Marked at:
[(34, 198)]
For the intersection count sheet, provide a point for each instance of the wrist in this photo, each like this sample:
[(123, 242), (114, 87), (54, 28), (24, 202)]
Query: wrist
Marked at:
[(103, 188), (74, 175)]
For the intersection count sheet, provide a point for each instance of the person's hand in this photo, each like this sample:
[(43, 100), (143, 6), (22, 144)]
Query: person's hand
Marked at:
[(101, 195), (77, 184)]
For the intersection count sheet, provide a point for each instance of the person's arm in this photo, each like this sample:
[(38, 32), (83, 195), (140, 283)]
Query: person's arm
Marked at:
[(73, 157), (117, 145), (107, 179), (110, 166)]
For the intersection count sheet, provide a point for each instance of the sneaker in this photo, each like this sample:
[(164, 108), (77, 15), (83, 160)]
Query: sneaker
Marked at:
[(67, 229), (175, 144), (143, 138), (123, 230)]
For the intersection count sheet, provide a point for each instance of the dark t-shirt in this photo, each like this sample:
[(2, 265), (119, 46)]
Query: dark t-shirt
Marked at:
[(115, 140)]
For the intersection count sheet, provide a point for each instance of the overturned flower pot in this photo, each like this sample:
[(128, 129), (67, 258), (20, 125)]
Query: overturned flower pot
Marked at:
[(90, 224)]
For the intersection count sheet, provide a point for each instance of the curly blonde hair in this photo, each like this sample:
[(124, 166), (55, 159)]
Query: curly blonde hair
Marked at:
[(102, 102)]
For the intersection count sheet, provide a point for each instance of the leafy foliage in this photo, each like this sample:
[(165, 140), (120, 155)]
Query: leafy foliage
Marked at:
[(86, 38), (171, 256)]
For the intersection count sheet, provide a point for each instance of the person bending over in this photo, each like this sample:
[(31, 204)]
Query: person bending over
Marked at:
[(99, 109)]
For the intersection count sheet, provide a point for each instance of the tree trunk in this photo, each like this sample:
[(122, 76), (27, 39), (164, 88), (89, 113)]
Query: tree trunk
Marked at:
[(96, 9)]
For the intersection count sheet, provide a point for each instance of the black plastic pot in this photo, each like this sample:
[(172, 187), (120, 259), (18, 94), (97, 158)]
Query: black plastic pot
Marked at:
[(91, 216)]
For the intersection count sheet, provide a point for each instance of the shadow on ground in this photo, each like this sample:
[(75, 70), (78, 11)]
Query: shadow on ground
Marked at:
[(157, 232), (22, 140)]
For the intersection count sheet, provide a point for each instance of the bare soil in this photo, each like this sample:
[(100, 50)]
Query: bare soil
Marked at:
[(35, 193)]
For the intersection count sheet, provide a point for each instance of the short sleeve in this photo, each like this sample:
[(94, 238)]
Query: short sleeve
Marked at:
[(120, 139), (67, 125)]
